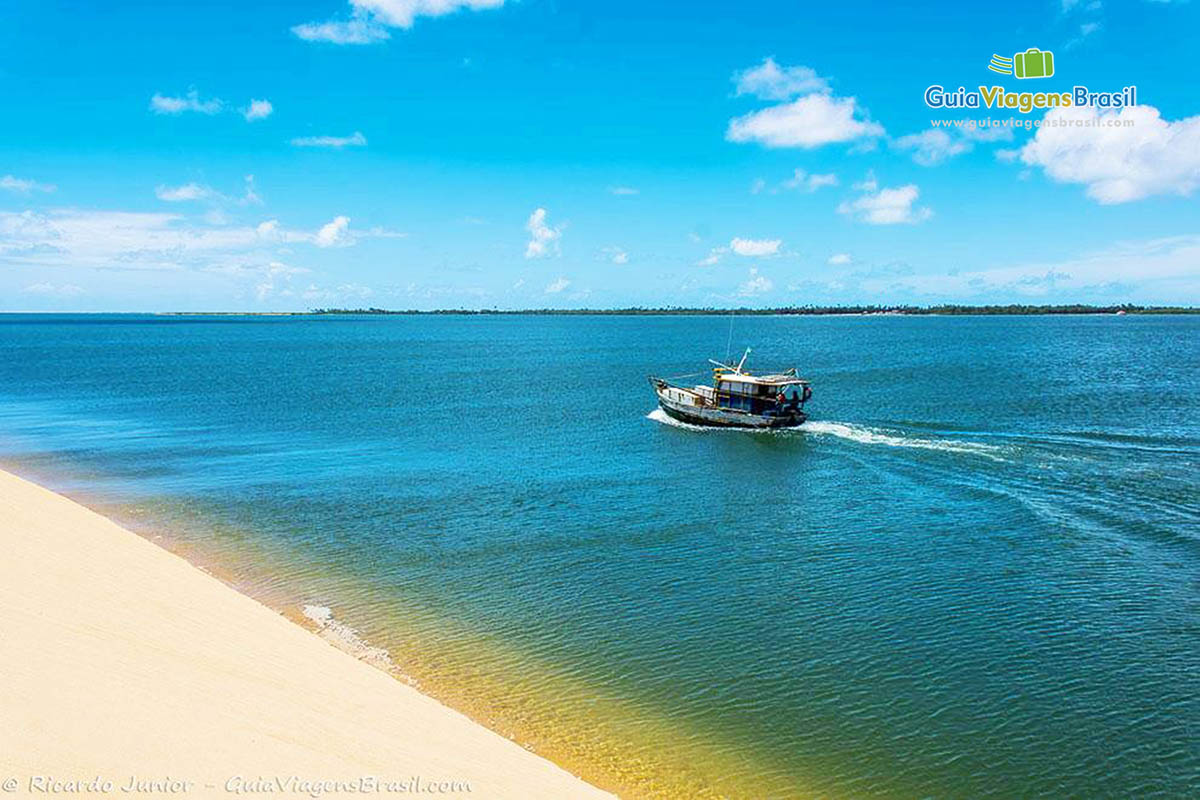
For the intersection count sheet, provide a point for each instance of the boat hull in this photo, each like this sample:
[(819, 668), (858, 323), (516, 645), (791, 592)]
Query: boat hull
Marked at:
[(728, 418)]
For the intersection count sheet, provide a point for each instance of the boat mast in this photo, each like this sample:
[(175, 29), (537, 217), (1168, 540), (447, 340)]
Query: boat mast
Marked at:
[(743, 361)]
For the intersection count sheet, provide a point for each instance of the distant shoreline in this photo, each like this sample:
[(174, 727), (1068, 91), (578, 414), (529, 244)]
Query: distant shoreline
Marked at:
[(670, 311), (946, 310), (804, 311)]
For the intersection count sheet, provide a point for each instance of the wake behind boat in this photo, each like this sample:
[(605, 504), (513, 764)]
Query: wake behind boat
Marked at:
[(737, 398)]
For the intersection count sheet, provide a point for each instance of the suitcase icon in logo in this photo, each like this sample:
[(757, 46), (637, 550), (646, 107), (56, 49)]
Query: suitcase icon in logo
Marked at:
[(1033, 63)]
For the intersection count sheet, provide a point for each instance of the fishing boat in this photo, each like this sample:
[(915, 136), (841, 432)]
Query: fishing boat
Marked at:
[(737, 398)]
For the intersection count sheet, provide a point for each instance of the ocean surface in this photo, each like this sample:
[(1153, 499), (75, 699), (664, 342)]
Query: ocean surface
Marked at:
[(975, 573)]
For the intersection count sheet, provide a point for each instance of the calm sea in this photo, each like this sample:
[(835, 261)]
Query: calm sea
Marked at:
[(975, 573)]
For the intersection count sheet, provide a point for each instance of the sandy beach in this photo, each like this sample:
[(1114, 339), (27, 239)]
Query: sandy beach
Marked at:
[(127, 670)]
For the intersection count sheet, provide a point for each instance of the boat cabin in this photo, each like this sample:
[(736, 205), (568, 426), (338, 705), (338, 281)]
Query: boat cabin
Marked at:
[(757, 393)]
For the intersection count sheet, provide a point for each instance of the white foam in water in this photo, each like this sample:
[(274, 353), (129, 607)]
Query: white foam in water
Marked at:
[(854, 433), (857, 433), (346, 638)]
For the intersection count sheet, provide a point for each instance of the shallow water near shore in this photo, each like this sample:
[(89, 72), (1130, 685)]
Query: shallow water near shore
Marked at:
[(973, 573)]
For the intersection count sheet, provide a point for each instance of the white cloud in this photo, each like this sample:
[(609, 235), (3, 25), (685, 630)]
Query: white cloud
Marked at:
[(757, 186), (755, 247), (887, 206), (755, 284), (192, 191), (165, 104), (24, 186), (1120, 156), (1154, 271), (867, 184), (937, 145), (616, 255), (185, 193), (402, 13), (839, 258), (334, 233), (769, 81), (370, 19), (809, 183), (54, 290), (543, 240), (124, 240), (557, 285), (360, 29), (337, 142), (932, 147), (250, 197), (1086, 29), (258, 109), (113, 239), (622, 190), (810, 121)]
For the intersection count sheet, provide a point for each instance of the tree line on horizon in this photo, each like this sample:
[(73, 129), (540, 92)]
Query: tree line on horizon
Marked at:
[(806, 310)]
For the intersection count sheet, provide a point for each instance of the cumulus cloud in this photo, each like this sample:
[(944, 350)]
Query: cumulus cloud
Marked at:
[(193, 192), (809, 183), (1119, 156), (258, 109), (839, 258), (755, 247), (886, 206), (808, 122), (166, 104), (616, 255), (369, 20), (769, 81), (184, 193), (938, 145), (356, 139), (10, 183), (543, 239), (334, 233), (557, 285), (932, 147), (360, 29), (755, 284)]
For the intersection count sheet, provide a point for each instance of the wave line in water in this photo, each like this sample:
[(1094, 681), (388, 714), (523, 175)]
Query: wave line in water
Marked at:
[(854, 433), (345, 638)]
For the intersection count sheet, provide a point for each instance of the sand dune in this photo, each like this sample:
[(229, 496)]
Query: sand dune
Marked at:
[(120, 661)]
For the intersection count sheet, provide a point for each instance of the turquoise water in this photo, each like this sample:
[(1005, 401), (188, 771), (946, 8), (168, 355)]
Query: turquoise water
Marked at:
[(975, 573)]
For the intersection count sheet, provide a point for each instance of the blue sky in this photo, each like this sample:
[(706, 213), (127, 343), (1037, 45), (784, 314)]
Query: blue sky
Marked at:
[(490, 153)]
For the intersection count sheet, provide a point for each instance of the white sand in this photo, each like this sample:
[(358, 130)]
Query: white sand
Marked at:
[(120, 659)]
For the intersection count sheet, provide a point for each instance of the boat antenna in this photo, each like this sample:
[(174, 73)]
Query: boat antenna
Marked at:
[(743, 361)]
